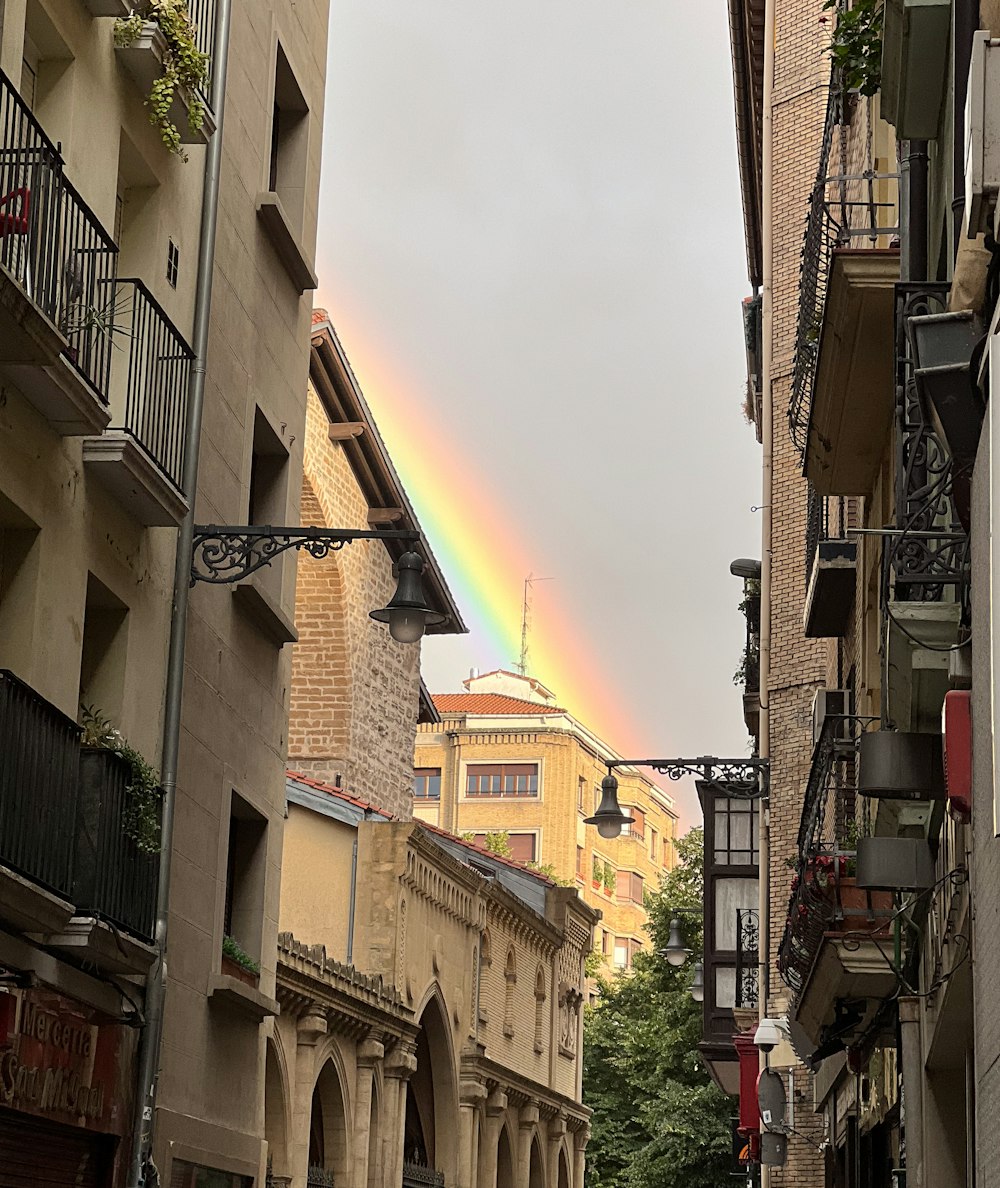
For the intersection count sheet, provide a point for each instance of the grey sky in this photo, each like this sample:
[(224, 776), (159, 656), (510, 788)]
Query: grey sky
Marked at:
[(532, 208)]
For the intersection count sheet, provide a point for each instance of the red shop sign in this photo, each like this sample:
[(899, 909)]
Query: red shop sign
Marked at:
[(61, 1060)]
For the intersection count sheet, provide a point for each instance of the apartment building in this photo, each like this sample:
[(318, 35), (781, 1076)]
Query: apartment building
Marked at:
[(868, 650), (154, 327), (504, 758)]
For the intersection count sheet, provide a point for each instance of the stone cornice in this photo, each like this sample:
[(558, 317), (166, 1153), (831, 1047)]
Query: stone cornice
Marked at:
[(521, 1091), (308, 981)]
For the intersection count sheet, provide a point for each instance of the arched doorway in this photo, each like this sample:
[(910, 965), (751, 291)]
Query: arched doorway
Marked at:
[(505, 1161), (328, 1154), (430, 1139), (536, 1169), (275, 1130), (374, 1145)]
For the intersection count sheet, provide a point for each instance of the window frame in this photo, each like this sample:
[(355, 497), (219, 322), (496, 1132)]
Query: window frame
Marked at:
[(417, 774), (487, 797)]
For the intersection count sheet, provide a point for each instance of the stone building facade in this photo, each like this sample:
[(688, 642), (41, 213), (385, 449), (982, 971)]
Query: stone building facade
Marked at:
[(102, 275), (504, 758), (431, 1027)]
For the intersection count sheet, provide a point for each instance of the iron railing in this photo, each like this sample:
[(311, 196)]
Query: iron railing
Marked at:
[(39, 766), (202, 14), (415, 1175), (51, 242), (921, 565), (747, 956), (319, 1177), (845, 210), (151, 391), (113, 878), (749, 671)]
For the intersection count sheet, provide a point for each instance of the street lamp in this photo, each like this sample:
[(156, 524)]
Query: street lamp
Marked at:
[(224, 554), (698, 982), (609, 817), (676, 951)]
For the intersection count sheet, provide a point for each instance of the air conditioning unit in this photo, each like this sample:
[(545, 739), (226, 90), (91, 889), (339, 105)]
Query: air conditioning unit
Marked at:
[(982, 134), (829, 703)]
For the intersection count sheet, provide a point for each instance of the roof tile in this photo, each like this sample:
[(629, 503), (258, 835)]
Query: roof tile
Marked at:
[(491, 704)]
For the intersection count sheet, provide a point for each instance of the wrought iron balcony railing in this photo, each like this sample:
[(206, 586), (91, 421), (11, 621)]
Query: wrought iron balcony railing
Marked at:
[(51, 242), (149, 376), (202, 14), (113, 878), (415, 1175), (39, 769), (857, 210), (319, 1177), (928, 558), (747, 956)]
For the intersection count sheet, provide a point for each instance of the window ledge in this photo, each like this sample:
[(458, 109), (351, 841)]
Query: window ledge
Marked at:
[(246, 1000), (108, 948), (143, 60), (290, 252), (107, 8), (265, 612)]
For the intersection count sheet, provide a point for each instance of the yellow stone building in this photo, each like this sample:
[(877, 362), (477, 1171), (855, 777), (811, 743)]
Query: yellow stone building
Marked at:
[(505, 757)]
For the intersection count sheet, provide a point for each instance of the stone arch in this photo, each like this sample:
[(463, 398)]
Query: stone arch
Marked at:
[(329, 1125), (536, 1166), (431, 1136), (486, 948), (319, 717), (505, 1158), (564, 1180), (375, 1135), (276, 1109)]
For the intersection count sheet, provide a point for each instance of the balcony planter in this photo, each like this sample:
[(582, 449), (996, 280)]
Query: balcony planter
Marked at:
[(901, 765), (943, 347), (234, 970), (888, 863), (863, 910)]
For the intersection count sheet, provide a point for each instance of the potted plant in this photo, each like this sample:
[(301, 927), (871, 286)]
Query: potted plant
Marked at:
[(141, 821), (238, 963), (598, 875), (184, 66), (610, 879)]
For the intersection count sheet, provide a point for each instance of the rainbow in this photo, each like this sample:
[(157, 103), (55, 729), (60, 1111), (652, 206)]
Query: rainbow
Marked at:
[(484, 556)]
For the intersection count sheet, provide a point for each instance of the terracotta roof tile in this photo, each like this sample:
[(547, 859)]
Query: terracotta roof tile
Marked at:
[(338, 793), (490, 703), (320, 315)]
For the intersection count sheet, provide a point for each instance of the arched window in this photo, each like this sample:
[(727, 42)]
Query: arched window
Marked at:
[(510, 976), (540, 1009)]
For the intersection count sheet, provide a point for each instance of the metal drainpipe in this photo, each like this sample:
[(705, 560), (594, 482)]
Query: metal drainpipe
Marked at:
[(965, 23), (150, 1036), (767, 434), (913, 220), (912, 1057)]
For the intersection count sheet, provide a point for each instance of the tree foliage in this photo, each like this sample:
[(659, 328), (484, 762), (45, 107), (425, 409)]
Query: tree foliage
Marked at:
[(659, 1121)]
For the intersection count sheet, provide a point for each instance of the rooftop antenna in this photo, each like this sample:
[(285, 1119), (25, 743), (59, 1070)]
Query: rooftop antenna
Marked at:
[(529, 581)]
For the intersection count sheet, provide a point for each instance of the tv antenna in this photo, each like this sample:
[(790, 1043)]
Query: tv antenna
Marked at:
[(529, 581)]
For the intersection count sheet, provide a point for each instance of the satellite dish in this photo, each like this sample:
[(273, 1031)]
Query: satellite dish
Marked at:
[(772, 1100)]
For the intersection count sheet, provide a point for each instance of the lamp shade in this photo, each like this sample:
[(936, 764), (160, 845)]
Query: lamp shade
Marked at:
[(698, 982), (676, 951), (609, 817), (408, 614)]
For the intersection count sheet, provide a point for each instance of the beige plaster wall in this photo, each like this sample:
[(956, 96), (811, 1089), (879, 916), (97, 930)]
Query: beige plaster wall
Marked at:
[(316, 880)]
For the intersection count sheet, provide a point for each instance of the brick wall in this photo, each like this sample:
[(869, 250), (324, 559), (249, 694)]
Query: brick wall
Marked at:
[(354, 689)]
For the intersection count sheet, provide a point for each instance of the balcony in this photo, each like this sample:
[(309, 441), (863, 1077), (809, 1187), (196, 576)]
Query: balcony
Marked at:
[(56, 262), (842, 381), (748, 674), (69, 871), (140, 457), (114, 881), (831, 570), (38, 793), (415, 1175), (837, 953)]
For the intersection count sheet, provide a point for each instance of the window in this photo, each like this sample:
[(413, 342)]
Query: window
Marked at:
[(19, 563), (268, 474), (581, 792), (605, 942), (288, 158), (540, 1010), (737, 832), (246, 863), (654, 838), (621, 953), (637, 826), (173, 263), (102, 657), (581, 859), (510, 981), (629, 887), (502, 779), (427, 783), (191, 1175), (522, 845)]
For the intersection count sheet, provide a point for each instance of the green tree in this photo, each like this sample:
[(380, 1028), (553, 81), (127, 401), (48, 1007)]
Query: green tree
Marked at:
[(659, 1121)]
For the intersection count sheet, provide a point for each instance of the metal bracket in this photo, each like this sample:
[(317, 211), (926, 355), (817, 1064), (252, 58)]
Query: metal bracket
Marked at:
[(741, 779), (221, 554)]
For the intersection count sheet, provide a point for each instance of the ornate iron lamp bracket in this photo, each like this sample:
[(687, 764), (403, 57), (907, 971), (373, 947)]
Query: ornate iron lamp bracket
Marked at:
[(222, 554), (741, 779)]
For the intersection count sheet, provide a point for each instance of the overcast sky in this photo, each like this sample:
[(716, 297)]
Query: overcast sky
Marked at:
[(530, 211)]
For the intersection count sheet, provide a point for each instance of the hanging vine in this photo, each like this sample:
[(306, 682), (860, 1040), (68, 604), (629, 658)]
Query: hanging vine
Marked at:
[(184, 65)]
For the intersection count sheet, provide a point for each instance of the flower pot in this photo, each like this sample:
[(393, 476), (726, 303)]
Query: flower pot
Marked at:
[(863, 911), (235, 970)]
